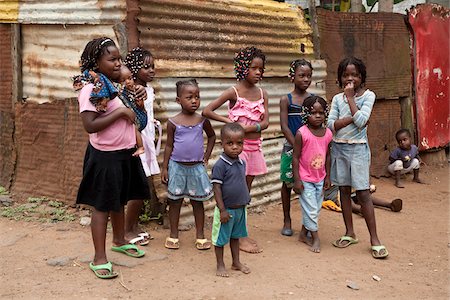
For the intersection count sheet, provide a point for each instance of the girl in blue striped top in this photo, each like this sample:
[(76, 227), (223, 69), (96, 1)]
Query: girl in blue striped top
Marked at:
[(350, 152)]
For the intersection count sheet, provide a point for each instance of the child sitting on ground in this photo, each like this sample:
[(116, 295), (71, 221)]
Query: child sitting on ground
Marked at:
[(232, 197), (405, 158)]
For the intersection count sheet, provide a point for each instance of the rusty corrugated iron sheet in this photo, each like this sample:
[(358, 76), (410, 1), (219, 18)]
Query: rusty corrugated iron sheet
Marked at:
[(430, 25), (381, 40), (199, 38), (49, 58), (62, 12)]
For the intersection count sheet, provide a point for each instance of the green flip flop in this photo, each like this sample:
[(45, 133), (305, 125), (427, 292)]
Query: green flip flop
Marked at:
[(350, 240), (124, 249), (107, 266), (376, 251)]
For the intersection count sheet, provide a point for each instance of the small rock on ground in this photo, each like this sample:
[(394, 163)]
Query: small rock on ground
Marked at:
[(85, 221), (59, 261)]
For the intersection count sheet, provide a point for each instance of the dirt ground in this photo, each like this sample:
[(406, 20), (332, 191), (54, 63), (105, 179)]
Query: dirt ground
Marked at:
[(417, 268)]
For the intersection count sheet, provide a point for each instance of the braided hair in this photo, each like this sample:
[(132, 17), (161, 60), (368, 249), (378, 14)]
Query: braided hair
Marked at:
[(308, 104), (180, 84), (135, 60), (297, 63), (92, 52), (243, 59)]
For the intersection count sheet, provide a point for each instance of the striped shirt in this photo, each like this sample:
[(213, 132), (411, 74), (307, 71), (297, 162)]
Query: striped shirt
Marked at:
[(356, 132)]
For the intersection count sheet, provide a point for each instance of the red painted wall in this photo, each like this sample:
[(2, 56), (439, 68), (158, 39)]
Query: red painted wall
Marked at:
[(430, 25)]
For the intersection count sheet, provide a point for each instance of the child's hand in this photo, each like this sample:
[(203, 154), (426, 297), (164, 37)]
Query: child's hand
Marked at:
[(298, 187), (164, 176), (349, 90), (140, 91), (327, 183), (224, 216), (139, 103)]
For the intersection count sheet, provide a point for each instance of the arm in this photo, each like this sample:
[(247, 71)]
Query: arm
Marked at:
[(284, 120), (167, 152), (334, 123), (224, 215), (265, 121), (327, 183), (95, 122), (209, 113), (360, 116), (393, 156), (298, 145), (207, 127)]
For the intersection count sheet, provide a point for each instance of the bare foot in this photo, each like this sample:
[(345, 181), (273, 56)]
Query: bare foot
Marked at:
[(302, 237), (399, 184), (241, 267), (315, 247), (417, 180), (222, 272), (139, 151), (248, 245)]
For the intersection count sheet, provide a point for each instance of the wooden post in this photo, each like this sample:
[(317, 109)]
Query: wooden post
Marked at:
[(315, 28), (356, 6), (16, 57), (385, 5)]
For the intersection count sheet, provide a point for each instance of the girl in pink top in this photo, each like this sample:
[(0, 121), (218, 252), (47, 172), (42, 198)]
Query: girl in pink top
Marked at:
[(311, 166), (247, 105), (111, 174)]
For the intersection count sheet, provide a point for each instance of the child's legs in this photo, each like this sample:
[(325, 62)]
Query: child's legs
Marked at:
[(174, 216), (286, 201), (219, 257), (310, 201), (395, 166), (199, 216), (118, 222), (99, 222), (346, 205), (368, 214), (234, 246), (134, 208), (139, 142)]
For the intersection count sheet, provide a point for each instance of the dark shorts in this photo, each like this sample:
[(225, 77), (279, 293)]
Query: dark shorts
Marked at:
[(111, 178), (235, 228)]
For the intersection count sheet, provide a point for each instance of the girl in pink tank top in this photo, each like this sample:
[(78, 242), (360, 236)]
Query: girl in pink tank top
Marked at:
[(311, 166), (248, 105)]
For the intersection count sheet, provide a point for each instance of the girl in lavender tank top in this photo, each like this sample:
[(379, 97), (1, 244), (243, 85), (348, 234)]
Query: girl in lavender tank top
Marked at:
[(311, 166), (184, 163)]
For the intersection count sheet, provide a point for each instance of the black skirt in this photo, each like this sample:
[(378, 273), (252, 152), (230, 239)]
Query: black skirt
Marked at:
[(111, 178)]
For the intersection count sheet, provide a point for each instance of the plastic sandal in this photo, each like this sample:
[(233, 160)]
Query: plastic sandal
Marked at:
[(107, 266), (124, 249)]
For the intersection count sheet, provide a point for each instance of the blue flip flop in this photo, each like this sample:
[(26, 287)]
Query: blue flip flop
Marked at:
[(287, 232), (124, 249)]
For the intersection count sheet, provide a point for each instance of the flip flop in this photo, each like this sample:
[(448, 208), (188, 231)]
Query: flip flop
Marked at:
[(146, 235), (123, 249), (172, 243), (376, 251), (202, 244), (329, 204), (287, 232), (141, 239), (107, 266), (345, 238)]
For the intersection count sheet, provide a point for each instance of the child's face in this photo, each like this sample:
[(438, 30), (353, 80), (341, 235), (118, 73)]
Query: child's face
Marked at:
[(351, 75), (126, 77), (189, 98), (233, 143), (147, 72), (256, 70), (317, 115), (404, 141), (109, 63), (302, 77)]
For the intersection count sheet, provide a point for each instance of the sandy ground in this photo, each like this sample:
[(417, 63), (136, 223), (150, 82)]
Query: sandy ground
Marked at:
[(417, 267)]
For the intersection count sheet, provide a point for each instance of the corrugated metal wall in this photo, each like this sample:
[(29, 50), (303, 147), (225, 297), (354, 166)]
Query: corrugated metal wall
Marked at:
[(50, 58), (199, 38), (62, 12)]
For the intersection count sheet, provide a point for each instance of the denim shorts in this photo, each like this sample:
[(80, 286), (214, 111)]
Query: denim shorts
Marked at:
[(188, 181), (350, 164)]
